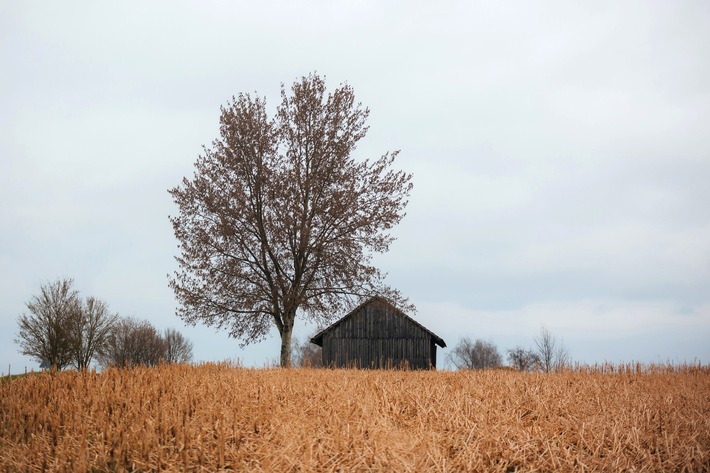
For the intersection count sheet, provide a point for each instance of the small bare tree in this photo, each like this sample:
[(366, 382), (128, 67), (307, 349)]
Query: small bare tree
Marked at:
[(478, 355), (523, 359), (551, 352), (307, 354), (45, 331), (132, 342), (178, 349), (279, 218), (151, 345), (89, 330)]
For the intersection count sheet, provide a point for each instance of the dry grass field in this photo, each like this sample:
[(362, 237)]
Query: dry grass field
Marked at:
[(218, 417)]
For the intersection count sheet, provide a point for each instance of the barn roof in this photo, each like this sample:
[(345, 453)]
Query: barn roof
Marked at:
[(318, 338)]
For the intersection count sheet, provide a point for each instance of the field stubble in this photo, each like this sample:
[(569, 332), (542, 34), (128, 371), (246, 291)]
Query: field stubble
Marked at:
[(219, 417)]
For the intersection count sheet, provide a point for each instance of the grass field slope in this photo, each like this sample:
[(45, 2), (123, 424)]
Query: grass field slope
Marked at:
[(216, 417)]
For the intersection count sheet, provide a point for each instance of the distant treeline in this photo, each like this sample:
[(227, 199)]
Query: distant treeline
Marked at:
[(60, 329)]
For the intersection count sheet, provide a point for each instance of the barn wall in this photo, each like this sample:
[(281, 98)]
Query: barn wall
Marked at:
[(377, 336)]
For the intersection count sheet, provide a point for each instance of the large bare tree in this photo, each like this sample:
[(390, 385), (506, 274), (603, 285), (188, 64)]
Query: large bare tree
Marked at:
[(45, 330), (279, 219)]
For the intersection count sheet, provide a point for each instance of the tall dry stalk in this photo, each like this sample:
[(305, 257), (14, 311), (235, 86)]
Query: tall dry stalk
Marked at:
[(216, 416)]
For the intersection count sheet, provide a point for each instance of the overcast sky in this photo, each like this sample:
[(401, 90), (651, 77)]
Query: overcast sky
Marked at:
[(560, 152)]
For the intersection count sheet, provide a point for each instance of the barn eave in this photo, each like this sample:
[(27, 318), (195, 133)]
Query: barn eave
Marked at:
[(318, 338)]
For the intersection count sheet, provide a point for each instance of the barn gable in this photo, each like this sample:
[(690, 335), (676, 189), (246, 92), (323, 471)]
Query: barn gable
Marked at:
[(376, 334)]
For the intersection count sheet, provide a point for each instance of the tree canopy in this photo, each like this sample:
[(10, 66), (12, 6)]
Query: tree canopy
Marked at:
[(280, 218)]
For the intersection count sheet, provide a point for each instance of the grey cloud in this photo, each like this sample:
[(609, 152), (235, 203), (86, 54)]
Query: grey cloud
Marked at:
[(560, 152)]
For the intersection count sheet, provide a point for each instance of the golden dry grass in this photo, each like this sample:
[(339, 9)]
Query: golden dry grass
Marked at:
[(218, 417)]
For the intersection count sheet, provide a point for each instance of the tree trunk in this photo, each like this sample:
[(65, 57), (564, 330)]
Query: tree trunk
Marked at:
[(286, 346)]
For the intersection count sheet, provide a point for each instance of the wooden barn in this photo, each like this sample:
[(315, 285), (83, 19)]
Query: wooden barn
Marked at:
[(378, 335)]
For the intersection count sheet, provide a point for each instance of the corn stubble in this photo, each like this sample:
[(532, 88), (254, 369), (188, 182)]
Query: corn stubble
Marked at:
[(220, 417)]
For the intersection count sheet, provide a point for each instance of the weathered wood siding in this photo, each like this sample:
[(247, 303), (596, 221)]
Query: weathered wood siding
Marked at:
[(377, 336)]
